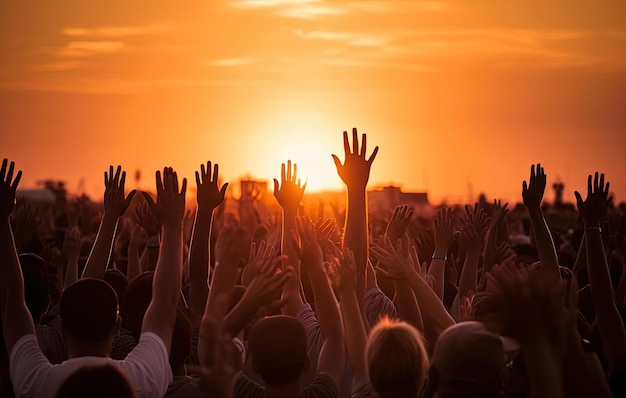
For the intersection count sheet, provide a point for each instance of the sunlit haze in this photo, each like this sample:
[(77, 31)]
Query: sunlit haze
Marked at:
[(460, 96)]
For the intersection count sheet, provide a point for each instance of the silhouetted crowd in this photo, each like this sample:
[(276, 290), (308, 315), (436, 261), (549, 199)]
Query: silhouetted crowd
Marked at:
[(138, 296)]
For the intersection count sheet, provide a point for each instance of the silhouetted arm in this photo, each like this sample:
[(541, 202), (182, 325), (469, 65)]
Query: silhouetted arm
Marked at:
[(593, 211), (471, 241), (355, 172), (532, 193), (71, 251), (138, 239), (16, 320), (289, 195), (332, 355), (444, 235), (115, 204), (169, 209), (209, 195)]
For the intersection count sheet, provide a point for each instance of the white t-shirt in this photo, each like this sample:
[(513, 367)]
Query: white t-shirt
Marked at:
[(146, 367)]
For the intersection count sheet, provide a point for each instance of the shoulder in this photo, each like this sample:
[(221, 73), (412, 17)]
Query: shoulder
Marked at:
[(147, 366), (323, 386)]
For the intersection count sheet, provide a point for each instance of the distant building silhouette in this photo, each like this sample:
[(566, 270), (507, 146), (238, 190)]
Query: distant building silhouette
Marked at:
[(391, 196)]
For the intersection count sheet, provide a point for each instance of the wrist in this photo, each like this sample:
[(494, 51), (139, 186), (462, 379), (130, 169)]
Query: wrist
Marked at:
[(439, 255)]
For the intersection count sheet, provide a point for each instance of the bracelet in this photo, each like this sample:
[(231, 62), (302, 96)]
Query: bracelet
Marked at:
[(440, 256), (599, 229), (153, 245)]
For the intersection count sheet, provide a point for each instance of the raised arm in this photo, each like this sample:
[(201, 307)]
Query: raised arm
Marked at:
[(138, 241), (355, 173), (209, 196), (532, 193), (471, 241), (115, 204), (169, 209), (332, 355), (71, 252), (593, 210), (343, 276), (16, 320), (444, 235), (289, 195), (491, 244)]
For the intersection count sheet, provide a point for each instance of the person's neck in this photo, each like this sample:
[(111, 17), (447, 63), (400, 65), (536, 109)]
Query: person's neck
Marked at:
[(78, 349), (284, 391)]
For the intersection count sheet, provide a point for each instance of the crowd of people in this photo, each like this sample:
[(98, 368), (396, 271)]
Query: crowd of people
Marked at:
[(144, 299)]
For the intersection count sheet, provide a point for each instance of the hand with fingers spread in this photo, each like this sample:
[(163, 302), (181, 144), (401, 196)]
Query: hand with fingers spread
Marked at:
[(209, 194), (308, 250), (532, 192), (342, 272), (499, 212), (478, 218), (147, 220), (169, 207), (444, 231), (594, 208), (290, 190), (8, 186), (397, 265), (399, 222), (115, 204), (355, 171), (256, 259)]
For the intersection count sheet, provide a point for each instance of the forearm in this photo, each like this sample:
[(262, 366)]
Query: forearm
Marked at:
[(16, 320), (356, 338), (291, 289), (469, 274), (437, 269), (429, 302), (168, 273), (71, 271), (134, 262), (199, 262), (609, 321), (544, 371), (545, 245), (239, 317), (325, 304), (355, 237), (408, 308), (581, 258), (224, 278), (489, 254), (99, 256)]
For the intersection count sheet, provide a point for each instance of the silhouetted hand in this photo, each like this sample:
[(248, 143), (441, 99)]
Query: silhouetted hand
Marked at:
[(71, 243), (209, 194), (355, 172), (444, 230), (170, 205), (8, 186), (532, 193), (290, 192), (593, 208), (25, 222), (147, 220), (115, 204), (138, 237), (342, 272), (399, 222), (398, 266), (308, 250), (256, 260), (231, 246), (499, 212)]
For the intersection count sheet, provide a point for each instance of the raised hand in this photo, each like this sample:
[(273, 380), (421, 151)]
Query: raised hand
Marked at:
[(355, 171), (147, 220), (593, 209), (8, 186), (209, 193), (444, 230), (309, 250), (169, 207), (397, 265), (290, 191), (231, 247), (532, 192), (256, 260), (342, 272), (115, 204), (399, 222), (499, 211), (25, 222), (478, 218)]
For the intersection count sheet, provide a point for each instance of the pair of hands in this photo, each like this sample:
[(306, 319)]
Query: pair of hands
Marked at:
[(399, 264), (475, 229)]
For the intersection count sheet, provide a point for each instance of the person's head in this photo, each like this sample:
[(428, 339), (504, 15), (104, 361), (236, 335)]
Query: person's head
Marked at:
[(397, 360), (278, 348), (470, 361), (137, 300), (101, 381), (36, 284), (89, 311), (181, 341)]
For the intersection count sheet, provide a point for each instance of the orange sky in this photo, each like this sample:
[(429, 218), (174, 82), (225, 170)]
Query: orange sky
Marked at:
[(461, 96)]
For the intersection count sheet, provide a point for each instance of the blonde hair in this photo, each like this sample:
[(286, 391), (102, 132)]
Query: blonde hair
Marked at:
[(397, 360)]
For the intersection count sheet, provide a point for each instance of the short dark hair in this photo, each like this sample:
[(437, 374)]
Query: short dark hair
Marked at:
[(96, 381), (89, 309), (278, 347)]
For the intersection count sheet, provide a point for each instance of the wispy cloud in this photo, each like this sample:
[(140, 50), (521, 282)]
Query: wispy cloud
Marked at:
[(349, 38), (115, 31), (299, 9), (225, 62)]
